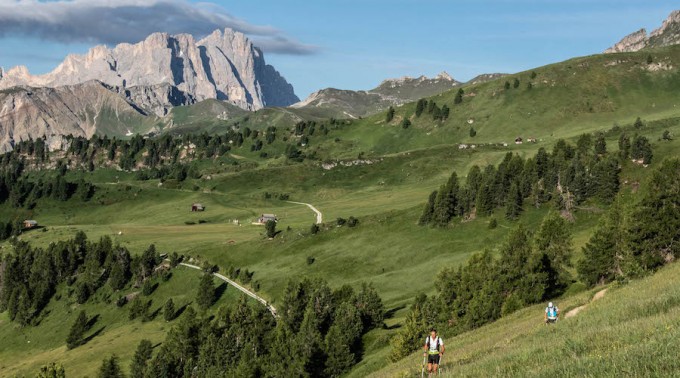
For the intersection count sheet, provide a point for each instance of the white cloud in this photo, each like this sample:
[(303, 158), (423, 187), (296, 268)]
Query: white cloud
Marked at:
[(115, 21)]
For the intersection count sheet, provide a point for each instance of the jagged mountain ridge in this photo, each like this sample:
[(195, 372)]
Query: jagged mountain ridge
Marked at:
[(165, 70), (666, 35)]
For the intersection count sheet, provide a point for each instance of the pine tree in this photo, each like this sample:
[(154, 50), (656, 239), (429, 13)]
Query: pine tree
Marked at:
[(420, 107), (370, 307), (78, 329), (654, 236), (389, 116), (604, 252), (605, 179), (340, 358), (169, 311), (52, 371), (141, 359), (624, 146), (515, 83), (514, 202), (459, 96), (310, 343), (446, 202), (110, 368), (270, 228), (405, 123), (638, 124), (117, 278), (205, 297), (600, 144), (408, 337), (485, 202), (428, 210), (506, 85)]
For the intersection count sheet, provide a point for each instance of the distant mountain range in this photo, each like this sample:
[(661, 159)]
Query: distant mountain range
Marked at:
[(668, 34), (342, 103)]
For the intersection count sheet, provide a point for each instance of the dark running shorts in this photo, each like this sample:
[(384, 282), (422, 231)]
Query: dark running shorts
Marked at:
[(433, 359), (551, 320)]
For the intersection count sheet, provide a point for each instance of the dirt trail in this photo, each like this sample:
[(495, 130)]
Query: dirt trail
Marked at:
[(239, 287), (575, 311), (319, 216)]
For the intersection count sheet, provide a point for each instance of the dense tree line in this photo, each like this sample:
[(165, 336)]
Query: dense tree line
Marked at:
[(20, 190), (166, 155), (30, 275), (529, 268), (633, 240), (318, 334), (567, 176)]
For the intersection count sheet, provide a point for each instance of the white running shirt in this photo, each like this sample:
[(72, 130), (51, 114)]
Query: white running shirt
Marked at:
[(433, 344)]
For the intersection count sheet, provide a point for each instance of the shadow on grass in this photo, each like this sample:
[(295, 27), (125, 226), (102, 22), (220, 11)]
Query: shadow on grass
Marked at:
[(219, 291), (390, 313), (93, 320), (181, 310), (93, 335)]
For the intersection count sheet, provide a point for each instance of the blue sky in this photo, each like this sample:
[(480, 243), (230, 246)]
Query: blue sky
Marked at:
[(350, 44)]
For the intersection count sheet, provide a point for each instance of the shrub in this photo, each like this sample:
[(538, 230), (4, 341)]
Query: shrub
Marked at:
[(493, 223), (310, 260), (341, 221), (351, 222)]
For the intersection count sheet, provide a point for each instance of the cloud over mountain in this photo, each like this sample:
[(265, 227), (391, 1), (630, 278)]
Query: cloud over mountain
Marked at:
[(112, 22)]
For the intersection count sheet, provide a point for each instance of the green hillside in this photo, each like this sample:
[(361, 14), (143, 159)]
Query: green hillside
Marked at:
[(380, 173), (633, 328)]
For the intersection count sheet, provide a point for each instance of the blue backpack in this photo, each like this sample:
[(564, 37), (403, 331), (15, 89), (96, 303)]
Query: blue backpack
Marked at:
[(552, 312)]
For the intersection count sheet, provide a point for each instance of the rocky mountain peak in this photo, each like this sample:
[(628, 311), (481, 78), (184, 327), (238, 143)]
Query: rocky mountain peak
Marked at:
[(444, 76), (166, 70), (666, 35)]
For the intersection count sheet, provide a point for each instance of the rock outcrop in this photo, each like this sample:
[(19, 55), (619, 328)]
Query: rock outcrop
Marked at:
[(668, 34), (78, 110), (170, 70)]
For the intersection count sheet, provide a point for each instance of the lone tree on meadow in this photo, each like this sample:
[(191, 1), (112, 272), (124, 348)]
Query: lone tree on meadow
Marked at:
[(270, 228), (169, 310), (390, 115), (78, 329)]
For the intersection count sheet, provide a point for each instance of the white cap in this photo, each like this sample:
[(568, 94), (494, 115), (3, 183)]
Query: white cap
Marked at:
[(550, 304)]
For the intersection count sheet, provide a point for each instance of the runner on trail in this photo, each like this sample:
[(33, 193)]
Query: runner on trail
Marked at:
[(434, 349), (551, 313)]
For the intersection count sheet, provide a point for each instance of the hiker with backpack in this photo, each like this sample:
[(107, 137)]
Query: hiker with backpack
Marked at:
[(551, 313), (434, 349)]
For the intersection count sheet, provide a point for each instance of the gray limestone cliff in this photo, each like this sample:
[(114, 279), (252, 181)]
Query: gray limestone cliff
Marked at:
[(668, 34), (170, 70)]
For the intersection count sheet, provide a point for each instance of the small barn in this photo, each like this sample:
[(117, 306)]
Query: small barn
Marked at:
[(264, 218), (197, 207), (28, 224)]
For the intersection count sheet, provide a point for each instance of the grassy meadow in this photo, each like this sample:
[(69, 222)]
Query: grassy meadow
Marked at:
[(633, 325)]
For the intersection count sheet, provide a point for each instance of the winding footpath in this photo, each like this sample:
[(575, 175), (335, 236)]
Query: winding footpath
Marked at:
[(575, 311), (319, 216), (239, 287)]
